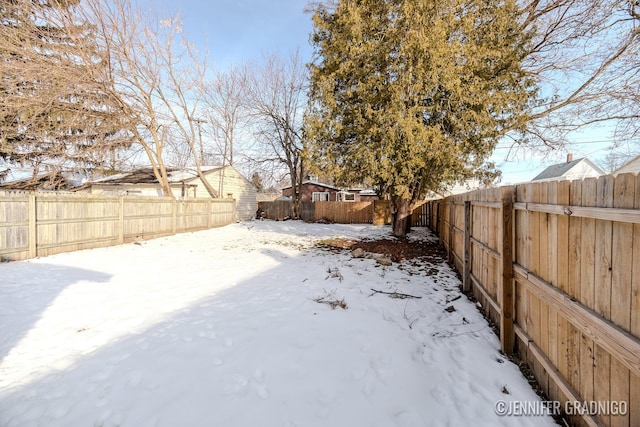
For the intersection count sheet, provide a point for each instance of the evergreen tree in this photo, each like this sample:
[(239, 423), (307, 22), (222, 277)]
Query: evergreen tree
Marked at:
[(414, 94), (256, 180), (53, 116)]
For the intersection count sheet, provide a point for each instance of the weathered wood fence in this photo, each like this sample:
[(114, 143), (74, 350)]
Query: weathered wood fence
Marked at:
[(376, 212), (556, 265), (41, 224), (278, 210), (343, 212)]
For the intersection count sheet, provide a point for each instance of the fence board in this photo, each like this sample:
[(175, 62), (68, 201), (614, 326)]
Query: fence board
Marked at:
[(554, 391), (622, 262), (563, 197), (507, 291), (634, 383), (587, 286)]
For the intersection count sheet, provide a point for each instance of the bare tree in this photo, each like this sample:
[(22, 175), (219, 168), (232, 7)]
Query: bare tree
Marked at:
[(156, 78), (226, 109), (226, 113), (584, 58), (277, 101)]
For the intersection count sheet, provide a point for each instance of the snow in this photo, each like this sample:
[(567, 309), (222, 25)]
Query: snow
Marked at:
[(220, 328)]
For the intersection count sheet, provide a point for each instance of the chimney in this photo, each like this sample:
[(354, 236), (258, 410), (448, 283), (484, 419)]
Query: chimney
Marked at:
[(569, 158)]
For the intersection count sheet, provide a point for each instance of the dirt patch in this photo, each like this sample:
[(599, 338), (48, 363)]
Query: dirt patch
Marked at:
[(336, 243), (395, 249)]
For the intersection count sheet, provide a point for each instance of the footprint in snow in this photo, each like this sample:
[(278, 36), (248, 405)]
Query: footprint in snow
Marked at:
[(262, 391), (58, 410), (236, 384), (358, 373), (407, 419), (322, 413), (134, 380), (104, 374), (326, 396), (304, 343), (104, 392), (440, 396), (258, 375), (369, 387)]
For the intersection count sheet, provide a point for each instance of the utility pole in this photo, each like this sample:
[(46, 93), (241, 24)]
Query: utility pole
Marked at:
[(199, 123)]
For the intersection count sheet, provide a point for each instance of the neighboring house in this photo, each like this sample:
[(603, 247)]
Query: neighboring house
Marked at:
[(268, 195), (632, 166), (364, 194), (185, 183), (22, 179), (570, 170), (314, 191)]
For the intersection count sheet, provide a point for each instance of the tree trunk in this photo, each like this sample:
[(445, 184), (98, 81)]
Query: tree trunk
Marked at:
[(401, 216)]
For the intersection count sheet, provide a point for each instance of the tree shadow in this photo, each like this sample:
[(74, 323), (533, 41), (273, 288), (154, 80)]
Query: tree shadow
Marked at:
[(178, 369), (27, 289)]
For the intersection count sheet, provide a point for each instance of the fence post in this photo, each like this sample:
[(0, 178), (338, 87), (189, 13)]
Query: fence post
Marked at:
[(452, 210), (466, 279), (507, 333), (33, 226), (438, 223), (174, 216), (428, 217), (121, 219)]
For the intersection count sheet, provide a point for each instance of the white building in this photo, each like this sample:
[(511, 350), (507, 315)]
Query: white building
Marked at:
[(570, 170), (632, 166)]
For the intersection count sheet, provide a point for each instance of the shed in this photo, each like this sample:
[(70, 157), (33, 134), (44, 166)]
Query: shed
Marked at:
[(632, 166)]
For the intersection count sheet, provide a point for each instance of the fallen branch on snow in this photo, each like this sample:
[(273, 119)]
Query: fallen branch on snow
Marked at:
[(333, 303), (394, 294)]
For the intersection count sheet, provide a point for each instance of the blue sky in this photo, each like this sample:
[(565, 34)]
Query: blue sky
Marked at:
[(237, 31)]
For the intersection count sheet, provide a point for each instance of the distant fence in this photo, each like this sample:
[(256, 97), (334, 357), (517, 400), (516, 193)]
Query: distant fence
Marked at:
[(41, 224), (343, 212), (556, 265), (375, 212), (278, 210)]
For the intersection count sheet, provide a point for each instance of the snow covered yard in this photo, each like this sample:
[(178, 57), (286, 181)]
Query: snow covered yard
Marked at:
[(222, 328)]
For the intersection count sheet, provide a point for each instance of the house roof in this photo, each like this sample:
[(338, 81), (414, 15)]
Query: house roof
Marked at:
[(562, 169), (319, 184), (632, 166), (23, 179), (146, 176)]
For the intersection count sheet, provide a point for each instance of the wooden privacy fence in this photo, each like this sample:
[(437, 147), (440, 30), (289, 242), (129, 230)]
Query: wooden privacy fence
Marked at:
[(41, 224), (556, 265), (376, 212), (277, 209), (344, 212)]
